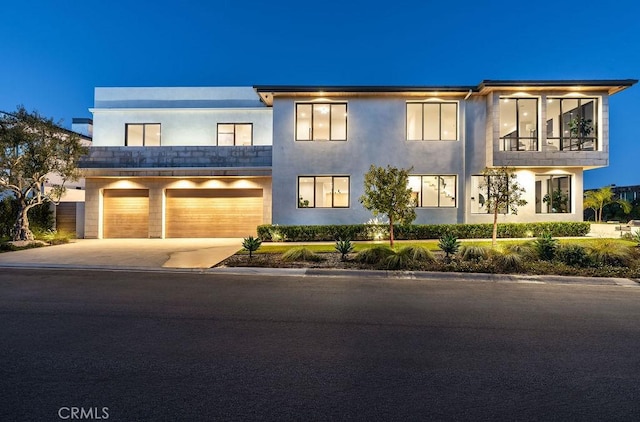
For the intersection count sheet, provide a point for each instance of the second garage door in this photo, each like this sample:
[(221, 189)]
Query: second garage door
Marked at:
[(213, 212)]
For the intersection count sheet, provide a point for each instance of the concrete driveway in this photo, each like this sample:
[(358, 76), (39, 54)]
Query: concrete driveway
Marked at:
[(128, 253)]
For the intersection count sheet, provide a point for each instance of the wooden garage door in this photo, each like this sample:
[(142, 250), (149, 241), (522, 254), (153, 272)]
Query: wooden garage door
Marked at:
[(66, 217), (213, 212), (126, 213)]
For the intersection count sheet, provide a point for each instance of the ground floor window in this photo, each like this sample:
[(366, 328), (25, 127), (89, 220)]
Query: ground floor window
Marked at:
[(480, 194), (323, 191), (553, 194), (434, 190)]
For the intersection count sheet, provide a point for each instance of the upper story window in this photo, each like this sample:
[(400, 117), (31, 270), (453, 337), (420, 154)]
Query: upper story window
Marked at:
[(572, 124), (432, 121), (323, 191), (433, 191), (230, 134), (321, 122), (142, 135), (518, 124)]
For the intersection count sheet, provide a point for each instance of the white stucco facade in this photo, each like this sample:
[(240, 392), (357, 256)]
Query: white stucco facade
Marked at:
[(311, 147)]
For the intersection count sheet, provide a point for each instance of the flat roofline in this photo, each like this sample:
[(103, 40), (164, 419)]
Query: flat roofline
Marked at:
[(612, 86), (361, 88), (560, 82)]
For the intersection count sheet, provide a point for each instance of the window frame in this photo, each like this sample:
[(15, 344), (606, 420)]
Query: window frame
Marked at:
[(505, 139), (420, 196), (484, 177), (330, 104), (561, 139), (234, 133), (333, 177), (550, 178), (144, 133), (439, 103)]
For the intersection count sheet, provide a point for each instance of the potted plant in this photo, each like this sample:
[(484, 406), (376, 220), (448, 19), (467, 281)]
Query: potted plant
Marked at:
[(580, 129), (557, 201)]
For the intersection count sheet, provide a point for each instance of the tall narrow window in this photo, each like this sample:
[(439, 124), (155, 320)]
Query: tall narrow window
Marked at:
[(142, 134), (518, 124), (572, 124), (432, 121), (323, 191), (230, 134), (321, 121), (434, 190)]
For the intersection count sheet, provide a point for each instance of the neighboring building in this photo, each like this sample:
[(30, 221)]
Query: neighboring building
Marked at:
[(68, 214), (216, 162), (627, 193)]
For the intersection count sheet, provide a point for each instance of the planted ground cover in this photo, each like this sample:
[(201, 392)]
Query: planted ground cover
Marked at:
[(543, 255)]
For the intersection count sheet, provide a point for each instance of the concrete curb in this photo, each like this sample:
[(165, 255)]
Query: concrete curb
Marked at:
[(430, 275), (368, 274)]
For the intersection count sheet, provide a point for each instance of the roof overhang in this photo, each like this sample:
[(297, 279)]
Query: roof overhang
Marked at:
[(611, 86), (268, 92)]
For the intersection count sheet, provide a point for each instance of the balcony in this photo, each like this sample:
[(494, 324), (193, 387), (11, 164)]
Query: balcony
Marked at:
[(177, 161)]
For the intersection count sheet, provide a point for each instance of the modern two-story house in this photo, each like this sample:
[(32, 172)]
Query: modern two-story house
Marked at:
[(216, 162)]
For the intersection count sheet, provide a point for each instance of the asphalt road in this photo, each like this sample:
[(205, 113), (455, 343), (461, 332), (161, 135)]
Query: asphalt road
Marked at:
[(168, 347)]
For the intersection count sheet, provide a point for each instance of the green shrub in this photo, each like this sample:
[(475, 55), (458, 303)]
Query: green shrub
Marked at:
[(509, 261), (52, 237), (301, 253), (278, 233), (607, 252), (251, 244), (40, 216), (449, 244), (474, 253), (574, 255), (375, 254), (524, 250), (416, 253), (344, 247), (545, 246)]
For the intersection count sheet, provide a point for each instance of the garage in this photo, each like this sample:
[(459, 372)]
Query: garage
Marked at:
[(126, 213), (213, 212)]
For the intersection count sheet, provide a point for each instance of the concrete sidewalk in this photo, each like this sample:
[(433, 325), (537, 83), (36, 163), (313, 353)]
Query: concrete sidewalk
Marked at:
[(129, 253)]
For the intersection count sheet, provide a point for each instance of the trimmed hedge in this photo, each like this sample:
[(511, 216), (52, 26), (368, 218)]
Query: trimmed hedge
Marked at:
[(277, 233)]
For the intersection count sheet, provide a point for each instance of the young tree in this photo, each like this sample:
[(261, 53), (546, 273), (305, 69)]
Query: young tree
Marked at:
[(598, 199), (386, 191), (32, 149), (503, 194)]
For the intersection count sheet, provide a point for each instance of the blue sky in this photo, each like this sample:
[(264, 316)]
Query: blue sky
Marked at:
[(55, 53)]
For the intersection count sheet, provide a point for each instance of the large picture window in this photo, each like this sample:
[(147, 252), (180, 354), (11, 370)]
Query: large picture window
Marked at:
[(323, 191), (230, 134), (434, 191), (432, 121), (321, 122), (572, 124), (518, 124), (142, 134), (553, 194)]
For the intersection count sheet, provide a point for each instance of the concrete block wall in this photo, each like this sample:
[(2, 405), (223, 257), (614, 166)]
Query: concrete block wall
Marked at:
[(177, 156)]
